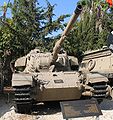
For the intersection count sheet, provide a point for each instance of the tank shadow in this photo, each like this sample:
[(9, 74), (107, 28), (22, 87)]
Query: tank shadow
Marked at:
[(106, 105), (47, 108)]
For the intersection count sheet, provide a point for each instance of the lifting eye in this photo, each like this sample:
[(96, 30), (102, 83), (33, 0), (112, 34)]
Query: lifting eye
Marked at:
[(91, 64)]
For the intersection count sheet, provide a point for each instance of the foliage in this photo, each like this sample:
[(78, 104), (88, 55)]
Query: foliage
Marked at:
[(91, 31), (32, 26), (29, 27)]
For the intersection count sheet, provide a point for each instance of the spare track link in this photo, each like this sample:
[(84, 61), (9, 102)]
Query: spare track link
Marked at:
[(23, 100)]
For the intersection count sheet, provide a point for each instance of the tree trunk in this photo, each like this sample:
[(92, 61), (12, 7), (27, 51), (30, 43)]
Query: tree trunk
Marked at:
[(1, 75), (7, 72)]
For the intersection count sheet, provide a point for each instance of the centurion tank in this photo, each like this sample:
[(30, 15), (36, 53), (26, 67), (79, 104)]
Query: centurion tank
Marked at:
[(55, 76), (100, 61)]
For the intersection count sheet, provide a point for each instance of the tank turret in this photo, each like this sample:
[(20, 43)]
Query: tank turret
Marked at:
[(36, 61)]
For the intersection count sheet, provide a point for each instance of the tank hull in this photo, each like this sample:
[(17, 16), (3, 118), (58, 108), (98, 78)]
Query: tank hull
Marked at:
[(50, 86), (103, 61)]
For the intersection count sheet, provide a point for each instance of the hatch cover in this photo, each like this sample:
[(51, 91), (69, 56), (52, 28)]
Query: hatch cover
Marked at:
[(59, 81)]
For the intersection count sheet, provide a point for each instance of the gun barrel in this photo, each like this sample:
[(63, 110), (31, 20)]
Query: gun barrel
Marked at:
[(72, 20), (58, 44)]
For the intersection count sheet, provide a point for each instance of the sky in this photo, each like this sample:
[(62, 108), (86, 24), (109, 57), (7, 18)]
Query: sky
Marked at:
[(62, 6)]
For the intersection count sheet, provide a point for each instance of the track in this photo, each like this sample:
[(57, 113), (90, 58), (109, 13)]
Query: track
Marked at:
[(100, 90), (23, 100)]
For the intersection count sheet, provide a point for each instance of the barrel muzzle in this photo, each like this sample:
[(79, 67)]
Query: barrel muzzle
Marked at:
[(78, 9)]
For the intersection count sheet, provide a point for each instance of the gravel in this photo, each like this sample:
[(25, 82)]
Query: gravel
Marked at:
[(49, 112)]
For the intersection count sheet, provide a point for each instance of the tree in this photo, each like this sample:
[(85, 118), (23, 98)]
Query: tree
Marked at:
[(91, 30), (6, 53)]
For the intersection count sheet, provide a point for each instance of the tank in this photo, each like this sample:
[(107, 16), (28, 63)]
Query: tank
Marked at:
[(100, 61), (42, 77)]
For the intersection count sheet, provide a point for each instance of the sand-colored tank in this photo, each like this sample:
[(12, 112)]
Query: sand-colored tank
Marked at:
[(100, 61), (55, 76)]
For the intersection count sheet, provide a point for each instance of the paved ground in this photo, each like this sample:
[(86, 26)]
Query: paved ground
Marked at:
[(50, 112)]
